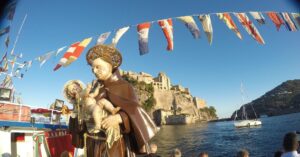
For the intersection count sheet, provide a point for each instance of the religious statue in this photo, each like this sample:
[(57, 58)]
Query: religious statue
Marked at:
[(125, 128)]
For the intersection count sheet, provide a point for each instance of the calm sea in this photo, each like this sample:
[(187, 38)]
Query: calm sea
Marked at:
[(222, 139)]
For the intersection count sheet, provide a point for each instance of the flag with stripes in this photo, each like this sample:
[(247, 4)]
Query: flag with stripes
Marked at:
[(296, 17), (143, 32), (167, 27), (207, 27), (275, 18), (289, 23), (249, 26), (258, 17), (190, 23), (73, 53), (4, 30), (230, 23), (120, 32), (102, 38)]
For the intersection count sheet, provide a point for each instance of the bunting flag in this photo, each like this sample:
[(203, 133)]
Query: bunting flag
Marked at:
[(143, 31), (167, 27), (249, 26), (42, 59), (275, 19), (6, 82), (296, 16), (190, 23), (3, 57), (230, 23), (59, 50), (28, 65), (102, 38), (73, 53), (258, 17), (11, 10), (4, 30), (119, 34), (7, 41), (207, 27), (5, 66), (289, 23)]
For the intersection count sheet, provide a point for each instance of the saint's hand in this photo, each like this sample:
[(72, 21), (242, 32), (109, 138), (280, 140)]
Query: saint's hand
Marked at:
[(111, 121)]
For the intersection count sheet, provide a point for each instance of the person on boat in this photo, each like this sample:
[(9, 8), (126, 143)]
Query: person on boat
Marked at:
[(278, 153), (176, 153), (243, 153), (137, 128), (203, 154), (290, 145)]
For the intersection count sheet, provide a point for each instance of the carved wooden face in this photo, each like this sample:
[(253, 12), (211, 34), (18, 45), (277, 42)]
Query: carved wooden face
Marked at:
[(101, 69), (73, 89)]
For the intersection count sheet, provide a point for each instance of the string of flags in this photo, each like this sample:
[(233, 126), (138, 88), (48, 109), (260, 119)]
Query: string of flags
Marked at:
[(74, 51)]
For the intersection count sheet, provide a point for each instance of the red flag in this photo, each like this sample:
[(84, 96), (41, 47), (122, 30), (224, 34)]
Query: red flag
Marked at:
[(275, 19), (72, 53), (249, 26), (167, 27)]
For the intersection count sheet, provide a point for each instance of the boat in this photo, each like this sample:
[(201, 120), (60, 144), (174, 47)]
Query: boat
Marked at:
[(28, 131), (245, 121)]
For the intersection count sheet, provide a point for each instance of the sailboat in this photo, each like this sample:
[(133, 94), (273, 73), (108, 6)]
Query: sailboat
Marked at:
[(245, 122)]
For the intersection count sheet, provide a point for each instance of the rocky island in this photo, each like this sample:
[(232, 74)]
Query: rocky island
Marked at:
[(167, 103)]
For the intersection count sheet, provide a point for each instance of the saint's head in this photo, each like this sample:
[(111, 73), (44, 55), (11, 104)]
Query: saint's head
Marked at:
[(104, 61)]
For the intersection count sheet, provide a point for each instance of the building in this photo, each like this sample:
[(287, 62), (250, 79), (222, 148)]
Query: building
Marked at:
[(181, 89), (162, 82)]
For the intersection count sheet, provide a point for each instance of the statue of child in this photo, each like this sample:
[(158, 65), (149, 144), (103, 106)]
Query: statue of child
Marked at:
[(92, 111)]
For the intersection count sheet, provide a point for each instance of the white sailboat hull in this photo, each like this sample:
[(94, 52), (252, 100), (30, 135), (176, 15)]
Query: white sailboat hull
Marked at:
[(247, 123)]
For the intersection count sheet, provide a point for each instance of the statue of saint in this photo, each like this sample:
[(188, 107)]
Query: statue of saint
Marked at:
[(117, 96)]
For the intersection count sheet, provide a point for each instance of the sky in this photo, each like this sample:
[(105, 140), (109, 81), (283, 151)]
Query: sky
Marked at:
[(212, 72)]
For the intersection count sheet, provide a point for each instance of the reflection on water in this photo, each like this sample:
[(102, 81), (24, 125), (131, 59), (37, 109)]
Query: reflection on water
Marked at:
[(223, 139)]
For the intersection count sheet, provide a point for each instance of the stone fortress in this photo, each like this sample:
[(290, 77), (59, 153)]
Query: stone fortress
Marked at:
[(174, 104)]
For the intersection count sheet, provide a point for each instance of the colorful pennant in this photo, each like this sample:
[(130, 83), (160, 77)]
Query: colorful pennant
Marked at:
[(167, 27), (296, 16), (119, 34), (190, 23), (102, 38), (72, 53), (249, 26), (207, 27), (230, 23), (289, 23), (275, 18), (258, 17), (4, 30), (143, 31)]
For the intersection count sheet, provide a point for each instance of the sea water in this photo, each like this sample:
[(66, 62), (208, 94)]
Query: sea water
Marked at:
[(222, 139)]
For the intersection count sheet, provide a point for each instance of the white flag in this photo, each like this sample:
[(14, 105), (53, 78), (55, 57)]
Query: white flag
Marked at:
[(59, 50), (119, 34), (102, 38), (42, 59)]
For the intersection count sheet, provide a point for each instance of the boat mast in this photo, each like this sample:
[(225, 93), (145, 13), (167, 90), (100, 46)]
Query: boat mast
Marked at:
[(244, 114)]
